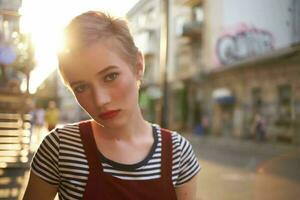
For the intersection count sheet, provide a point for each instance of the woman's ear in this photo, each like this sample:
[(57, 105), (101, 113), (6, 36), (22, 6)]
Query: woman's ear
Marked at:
[(140, 66)]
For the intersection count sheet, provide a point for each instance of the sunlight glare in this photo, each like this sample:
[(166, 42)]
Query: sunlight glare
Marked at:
[(44, 21)]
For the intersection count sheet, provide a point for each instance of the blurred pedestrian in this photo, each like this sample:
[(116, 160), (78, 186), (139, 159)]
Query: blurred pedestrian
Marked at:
[(205, 124), (39, 116), (116, 154), (38, 125), (30, 110), (259, 127), (52, 115)]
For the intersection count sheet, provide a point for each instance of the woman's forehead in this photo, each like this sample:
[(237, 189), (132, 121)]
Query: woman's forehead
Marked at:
[(92, 60), (97, 49), (101, 53)]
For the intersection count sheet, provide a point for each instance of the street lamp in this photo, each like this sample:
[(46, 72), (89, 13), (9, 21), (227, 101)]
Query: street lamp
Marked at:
[(164, 51)]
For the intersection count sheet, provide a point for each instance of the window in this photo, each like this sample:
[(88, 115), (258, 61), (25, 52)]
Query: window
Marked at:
[(256, 99), (198, 14), (285, 102)]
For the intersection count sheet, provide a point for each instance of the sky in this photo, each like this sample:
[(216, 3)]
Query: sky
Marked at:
[(44, 21)]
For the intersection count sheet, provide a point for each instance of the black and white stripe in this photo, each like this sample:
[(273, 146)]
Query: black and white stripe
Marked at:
[(60, 160)]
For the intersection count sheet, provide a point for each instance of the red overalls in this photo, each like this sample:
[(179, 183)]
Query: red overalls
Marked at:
[(101, 185)]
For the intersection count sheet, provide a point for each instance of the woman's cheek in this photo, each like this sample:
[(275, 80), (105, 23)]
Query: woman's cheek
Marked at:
[(125, 89)]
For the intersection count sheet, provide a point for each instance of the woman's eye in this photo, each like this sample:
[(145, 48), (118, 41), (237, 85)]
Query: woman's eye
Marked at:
[(111, 77), (80, 88)]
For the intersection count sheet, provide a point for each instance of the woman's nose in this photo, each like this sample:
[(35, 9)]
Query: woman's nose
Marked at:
[(101, 97)]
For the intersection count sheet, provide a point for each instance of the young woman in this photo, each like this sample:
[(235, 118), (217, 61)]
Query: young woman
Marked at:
[(116, 154)]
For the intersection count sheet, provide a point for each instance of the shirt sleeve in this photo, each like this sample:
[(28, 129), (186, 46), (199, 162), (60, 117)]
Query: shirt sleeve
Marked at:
[(188, 163), (45, 161)]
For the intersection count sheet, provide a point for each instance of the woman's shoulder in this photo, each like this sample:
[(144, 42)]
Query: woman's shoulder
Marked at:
[(70, 130), (63, 138), (178, 139), (69, 127)]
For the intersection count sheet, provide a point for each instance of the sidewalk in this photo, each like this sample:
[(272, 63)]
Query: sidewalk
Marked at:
[(234, 169), (266, 147)]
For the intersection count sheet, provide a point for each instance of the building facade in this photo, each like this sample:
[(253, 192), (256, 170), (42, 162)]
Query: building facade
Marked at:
[(9, 30), (15, 59), (145, 26), (251, 66), (229, 62)]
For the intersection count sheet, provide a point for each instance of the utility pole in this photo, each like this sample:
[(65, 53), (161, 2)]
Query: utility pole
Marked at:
[(164, 55)]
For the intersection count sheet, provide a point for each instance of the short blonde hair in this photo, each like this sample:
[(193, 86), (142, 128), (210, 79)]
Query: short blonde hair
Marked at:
[(93, 26)]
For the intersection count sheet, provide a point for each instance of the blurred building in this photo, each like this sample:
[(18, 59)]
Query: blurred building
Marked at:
[(9, 28), (145, 27), (228, 61), (185, 101), (251, 57), (16, 58), (184, 58), (15, 126), (48, 91)]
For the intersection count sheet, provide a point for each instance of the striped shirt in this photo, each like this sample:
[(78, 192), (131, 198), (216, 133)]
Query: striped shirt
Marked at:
[(60, 160)]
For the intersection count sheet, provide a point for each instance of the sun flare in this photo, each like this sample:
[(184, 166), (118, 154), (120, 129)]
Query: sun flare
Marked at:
[(44, 21)]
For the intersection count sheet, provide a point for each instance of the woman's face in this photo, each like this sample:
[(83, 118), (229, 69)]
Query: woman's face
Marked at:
[(104, 84)]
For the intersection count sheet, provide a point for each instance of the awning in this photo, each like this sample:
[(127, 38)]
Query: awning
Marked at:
[(223, 96)]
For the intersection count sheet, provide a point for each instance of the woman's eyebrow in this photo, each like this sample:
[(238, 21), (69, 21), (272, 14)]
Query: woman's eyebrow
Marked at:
[(76, 83), (108, 68)]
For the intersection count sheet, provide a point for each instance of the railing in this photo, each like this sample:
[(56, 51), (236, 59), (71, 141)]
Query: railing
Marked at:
[(15, 132)]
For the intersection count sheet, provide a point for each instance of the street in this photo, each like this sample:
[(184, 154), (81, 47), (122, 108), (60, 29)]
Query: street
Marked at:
[(234, 170), (12, 182)]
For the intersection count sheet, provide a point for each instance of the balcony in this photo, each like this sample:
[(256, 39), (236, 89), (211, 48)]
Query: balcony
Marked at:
[(10, 5), (192, 29), (9, 9), (147, 42), (190, 2)]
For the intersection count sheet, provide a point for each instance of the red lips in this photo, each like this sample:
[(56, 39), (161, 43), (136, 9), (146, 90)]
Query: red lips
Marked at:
[(109, 114)]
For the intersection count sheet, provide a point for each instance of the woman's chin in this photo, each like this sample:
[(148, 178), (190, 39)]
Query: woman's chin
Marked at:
[(111, 124)]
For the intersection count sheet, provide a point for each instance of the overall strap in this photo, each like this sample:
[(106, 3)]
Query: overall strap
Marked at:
[(90, 146), (166, 156)]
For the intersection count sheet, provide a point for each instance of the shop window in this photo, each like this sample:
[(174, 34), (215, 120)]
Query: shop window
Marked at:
[(295, 12), (197, 12), (256, 99), (284, 103)]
